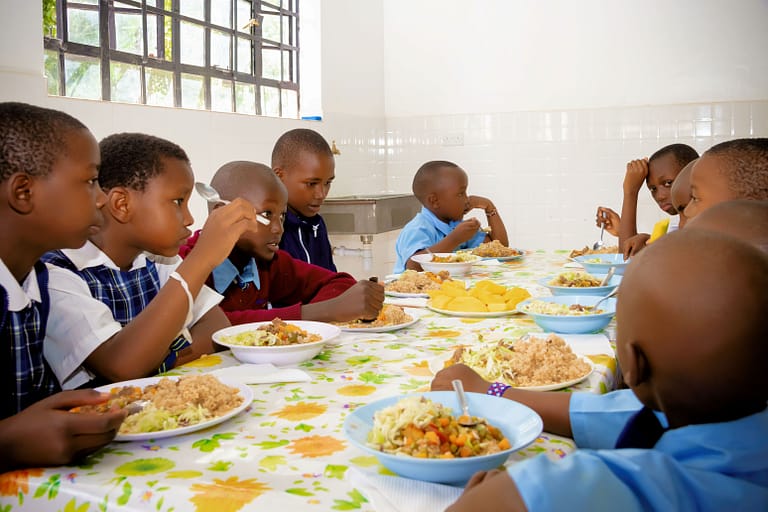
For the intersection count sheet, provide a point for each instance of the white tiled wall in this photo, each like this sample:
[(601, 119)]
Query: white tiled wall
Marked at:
[(546, 171)]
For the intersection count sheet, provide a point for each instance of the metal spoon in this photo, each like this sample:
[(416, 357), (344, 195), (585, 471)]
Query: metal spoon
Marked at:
[(466, 419), (136, 406), (612, 294), (597, 245), (608, 276), (211, 195)]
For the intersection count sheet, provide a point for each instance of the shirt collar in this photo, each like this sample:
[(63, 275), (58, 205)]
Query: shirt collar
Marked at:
[(89, 255), (226, 273), (19, 296), (443, 227)]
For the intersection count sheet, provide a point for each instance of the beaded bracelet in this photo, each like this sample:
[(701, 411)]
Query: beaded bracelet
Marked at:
[(491, 213), (190, 300), (497, 389)]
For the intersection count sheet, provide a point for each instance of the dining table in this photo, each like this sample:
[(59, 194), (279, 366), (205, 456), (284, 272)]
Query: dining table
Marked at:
[(287, 449)]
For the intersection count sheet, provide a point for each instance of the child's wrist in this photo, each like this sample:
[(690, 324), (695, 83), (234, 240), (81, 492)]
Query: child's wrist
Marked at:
[(491, 213)]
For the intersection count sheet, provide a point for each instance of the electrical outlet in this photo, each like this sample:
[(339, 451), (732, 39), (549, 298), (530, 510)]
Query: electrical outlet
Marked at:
[(452, 139)]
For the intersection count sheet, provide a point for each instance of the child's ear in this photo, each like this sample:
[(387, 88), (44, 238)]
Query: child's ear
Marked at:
[(635, 366), (279, 172), (20, 186), (432, 200), (119, 204)]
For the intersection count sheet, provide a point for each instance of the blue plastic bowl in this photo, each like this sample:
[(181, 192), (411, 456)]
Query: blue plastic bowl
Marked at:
[(566, 324), (602, 291), (520, 424), (606, 261)]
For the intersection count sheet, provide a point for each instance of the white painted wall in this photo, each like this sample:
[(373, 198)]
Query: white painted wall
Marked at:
[(450, 56)]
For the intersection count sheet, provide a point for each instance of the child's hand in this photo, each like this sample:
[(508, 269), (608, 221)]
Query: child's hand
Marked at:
[(637, 172), (223, 228), (635, 244), (363, 300), (494, 489), (480, 202), (46, 433), (469, 377), (465, 230), (610, 218)]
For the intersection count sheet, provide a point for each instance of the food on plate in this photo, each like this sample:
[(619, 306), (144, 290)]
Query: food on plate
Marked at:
[(418, 427), (608, 249), (118, 399), (389, 315), (457, 257), (173, 403), (275, 333), (575, 280), (525, 362), (411, 281), (494, 249), (484, 297), (553, 308)]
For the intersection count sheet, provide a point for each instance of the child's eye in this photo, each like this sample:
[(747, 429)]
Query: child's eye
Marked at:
[(668, 183), (179, 201)]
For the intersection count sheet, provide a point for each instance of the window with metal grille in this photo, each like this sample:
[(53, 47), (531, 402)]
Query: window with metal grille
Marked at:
[(223, 55)]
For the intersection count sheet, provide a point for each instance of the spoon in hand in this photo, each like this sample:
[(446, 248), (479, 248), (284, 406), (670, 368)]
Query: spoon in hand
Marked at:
[(466, 419), (597, 245), (211, 195)]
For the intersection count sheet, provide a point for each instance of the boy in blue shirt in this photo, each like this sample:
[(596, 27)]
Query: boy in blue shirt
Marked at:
[(124, 305), (690, 433), (304, 162), (441, 187), (49, 198)]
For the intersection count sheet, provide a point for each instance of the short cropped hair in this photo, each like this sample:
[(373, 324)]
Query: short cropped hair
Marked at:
[(746, 166), (32, 138), (132, 159), (427, 176), (683, 153), (293, 142)]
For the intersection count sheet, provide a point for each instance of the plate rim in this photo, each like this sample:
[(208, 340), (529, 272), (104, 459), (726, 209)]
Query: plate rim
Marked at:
[(246, 391), (473, 314)]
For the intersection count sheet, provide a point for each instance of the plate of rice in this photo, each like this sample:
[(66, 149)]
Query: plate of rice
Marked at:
[(536, 363), (176, 405)]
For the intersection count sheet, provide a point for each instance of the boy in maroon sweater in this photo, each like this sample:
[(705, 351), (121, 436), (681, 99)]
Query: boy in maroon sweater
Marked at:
[(261, 282)]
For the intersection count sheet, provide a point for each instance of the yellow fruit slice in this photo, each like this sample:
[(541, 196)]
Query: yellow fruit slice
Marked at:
[(659, 230)]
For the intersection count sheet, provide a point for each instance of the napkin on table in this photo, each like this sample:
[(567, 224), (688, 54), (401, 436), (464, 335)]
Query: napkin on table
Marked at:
[(396, 494), (261, 374)]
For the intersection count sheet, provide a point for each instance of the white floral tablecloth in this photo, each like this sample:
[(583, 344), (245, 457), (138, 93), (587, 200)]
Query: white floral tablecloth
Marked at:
[(287, 451)]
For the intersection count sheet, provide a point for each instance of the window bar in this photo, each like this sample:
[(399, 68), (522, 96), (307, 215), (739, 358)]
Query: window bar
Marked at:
[(144, 55), (106, 12), (62, 34), (207, 54), (176, 52), (258, 68)]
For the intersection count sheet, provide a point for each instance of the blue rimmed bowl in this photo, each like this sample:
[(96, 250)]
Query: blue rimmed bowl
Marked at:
[(571, 324)]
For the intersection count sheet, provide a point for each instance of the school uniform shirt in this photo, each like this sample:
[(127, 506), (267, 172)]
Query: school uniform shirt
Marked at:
[(423, 231), (92, 299), (716, 466), (277, 289), (306, 239), (25, 377)]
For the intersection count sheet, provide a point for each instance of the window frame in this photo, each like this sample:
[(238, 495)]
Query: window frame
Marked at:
[(106, 53)]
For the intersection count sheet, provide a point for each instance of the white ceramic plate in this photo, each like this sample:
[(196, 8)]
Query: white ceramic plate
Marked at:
[(279, 355), (245, 392), (473, 314), (438, 363), (386, 328)]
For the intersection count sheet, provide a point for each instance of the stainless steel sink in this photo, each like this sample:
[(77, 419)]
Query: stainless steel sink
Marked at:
[(368, 214)]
